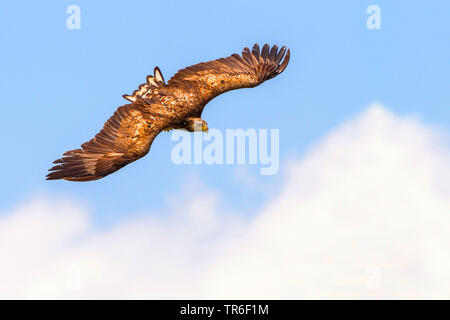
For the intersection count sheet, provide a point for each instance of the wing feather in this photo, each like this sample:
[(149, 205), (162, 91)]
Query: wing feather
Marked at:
[(249, 69), (125, 137)]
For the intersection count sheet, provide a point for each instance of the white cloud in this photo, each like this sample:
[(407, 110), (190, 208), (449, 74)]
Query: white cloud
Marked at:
[(48, 250), (365, 214)]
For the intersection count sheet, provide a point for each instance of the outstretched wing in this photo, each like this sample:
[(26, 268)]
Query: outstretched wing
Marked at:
[(218, 76), (125, 137)]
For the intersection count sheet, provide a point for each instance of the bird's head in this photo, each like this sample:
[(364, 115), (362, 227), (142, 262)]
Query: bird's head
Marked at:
[(196, 125)]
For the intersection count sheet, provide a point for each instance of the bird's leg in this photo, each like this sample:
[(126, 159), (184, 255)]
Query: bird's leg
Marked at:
[(195, 125)]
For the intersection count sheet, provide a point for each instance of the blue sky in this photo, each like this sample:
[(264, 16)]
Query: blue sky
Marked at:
[(58, 86)]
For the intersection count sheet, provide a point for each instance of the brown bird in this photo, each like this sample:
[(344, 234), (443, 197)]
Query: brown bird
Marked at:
[(157, 106)]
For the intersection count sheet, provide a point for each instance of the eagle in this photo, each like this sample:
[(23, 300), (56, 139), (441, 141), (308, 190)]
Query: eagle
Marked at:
[(158, 106)]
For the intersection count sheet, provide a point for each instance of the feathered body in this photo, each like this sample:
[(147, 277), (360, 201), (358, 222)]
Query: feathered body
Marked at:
[(157, 106)]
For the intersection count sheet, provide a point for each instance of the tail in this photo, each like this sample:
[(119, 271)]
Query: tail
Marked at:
[(145, 89)]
